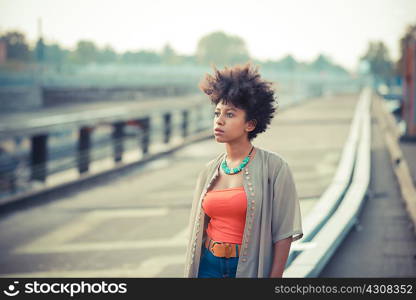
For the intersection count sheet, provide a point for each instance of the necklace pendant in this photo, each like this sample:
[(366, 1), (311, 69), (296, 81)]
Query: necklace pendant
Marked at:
[(227, 170)]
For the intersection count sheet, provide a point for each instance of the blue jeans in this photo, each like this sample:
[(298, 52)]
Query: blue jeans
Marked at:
[(211, 266)]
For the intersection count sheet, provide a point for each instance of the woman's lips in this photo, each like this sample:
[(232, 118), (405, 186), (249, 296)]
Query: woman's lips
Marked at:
[(218, 132)]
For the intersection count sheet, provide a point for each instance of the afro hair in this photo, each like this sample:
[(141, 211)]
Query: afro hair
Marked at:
[(243, 86)]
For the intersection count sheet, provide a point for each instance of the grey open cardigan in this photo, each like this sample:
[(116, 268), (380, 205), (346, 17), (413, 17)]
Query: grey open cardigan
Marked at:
[(273, 213)]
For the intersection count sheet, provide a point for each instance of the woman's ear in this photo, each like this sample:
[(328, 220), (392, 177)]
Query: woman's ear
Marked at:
[(252, 125)]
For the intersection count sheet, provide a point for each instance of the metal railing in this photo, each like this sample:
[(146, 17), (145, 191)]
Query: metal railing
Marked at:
[(337, 209), (28, 174)]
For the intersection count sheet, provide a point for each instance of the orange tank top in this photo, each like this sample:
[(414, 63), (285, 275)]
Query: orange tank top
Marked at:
[(227, 209)]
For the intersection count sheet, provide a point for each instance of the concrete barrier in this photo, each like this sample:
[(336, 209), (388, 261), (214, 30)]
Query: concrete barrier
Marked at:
[(336, 211)]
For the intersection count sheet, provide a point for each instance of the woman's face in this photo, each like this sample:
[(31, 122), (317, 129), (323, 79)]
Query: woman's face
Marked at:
[(231, 120)]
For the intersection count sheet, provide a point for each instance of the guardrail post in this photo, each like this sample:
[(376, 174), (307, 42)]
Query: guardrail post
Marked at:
[(118, 136), (185, 121), (144, 124), (167, 118), (84, 144), (39, 156), (199, 118)]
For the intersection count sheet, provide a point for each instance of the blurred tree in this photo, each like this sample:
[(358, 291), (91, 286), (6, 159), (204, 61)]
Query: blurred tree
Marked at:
[(17, 48), (140, 57), (269, 64), (85, 52), (221, 49), (287, 63), (106, 55), (381, 66), (321, 63), (55, 54), (324, 65), (169, 55), (188, 59)]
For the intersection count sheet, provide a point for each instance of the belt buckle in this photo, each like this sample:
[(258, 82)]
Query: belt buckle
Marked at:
[(213, 245), (226, 247), (227, 250)]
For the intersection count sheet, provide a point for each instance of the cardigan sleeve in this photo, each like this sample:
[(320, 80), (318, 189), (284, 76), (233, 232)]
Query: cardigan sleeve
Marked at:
[(199, 186), (195, 198), (286, 214)]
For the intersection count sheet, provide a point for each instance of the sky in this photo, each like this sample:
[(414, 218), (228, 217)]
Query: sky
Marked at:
[(272, 29)]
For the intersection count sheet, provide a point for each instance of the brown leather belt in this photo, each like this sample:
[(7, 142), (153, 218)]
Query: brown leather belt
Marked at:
[(221, 249)]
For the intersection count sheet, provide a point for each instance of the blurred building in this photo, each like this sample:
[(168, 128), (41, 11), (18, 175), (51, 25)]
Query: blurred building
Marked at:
[(409, 82), (3, 51)]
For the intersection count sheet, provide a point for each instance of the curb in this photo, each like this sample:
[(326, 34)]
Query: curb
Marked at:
[(391, 137)]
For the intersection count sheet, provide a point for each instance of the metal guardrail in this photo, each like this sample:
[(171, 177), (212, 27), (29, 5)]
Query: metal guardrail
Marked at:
[(32, 197), (337, 210), (29, 176), (160, 133)]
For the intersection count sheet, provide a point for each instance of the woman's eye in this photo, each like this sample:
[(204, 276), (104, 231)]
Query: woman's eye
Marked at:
[(229, 114)]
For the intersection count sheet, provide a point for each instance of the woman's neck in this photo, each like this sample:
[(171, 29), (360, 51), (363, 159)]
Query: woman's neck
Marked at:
[(237, 152)]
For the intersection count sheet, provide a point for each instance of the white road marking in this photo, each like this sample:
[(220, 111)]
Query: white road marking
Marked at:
[(147, 268), (57, 240)]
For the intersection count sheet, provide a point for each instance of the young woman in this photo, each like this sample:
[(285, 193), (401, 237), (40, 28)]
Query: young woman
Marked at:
[(245, 212)]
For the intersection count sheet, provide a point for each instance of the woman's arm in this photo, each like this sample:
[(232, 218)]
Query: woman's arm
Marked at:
[(281, 253)]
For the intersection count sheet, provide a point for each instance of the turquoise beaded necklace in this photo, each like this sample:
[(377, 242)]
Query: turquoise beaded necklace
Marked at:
[(227, 170)]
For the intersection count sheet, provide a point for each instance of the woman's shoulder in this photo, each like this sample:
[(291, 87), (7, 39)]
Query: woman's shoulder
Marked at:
[(213, 161), (211, 164), (273, 158)]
